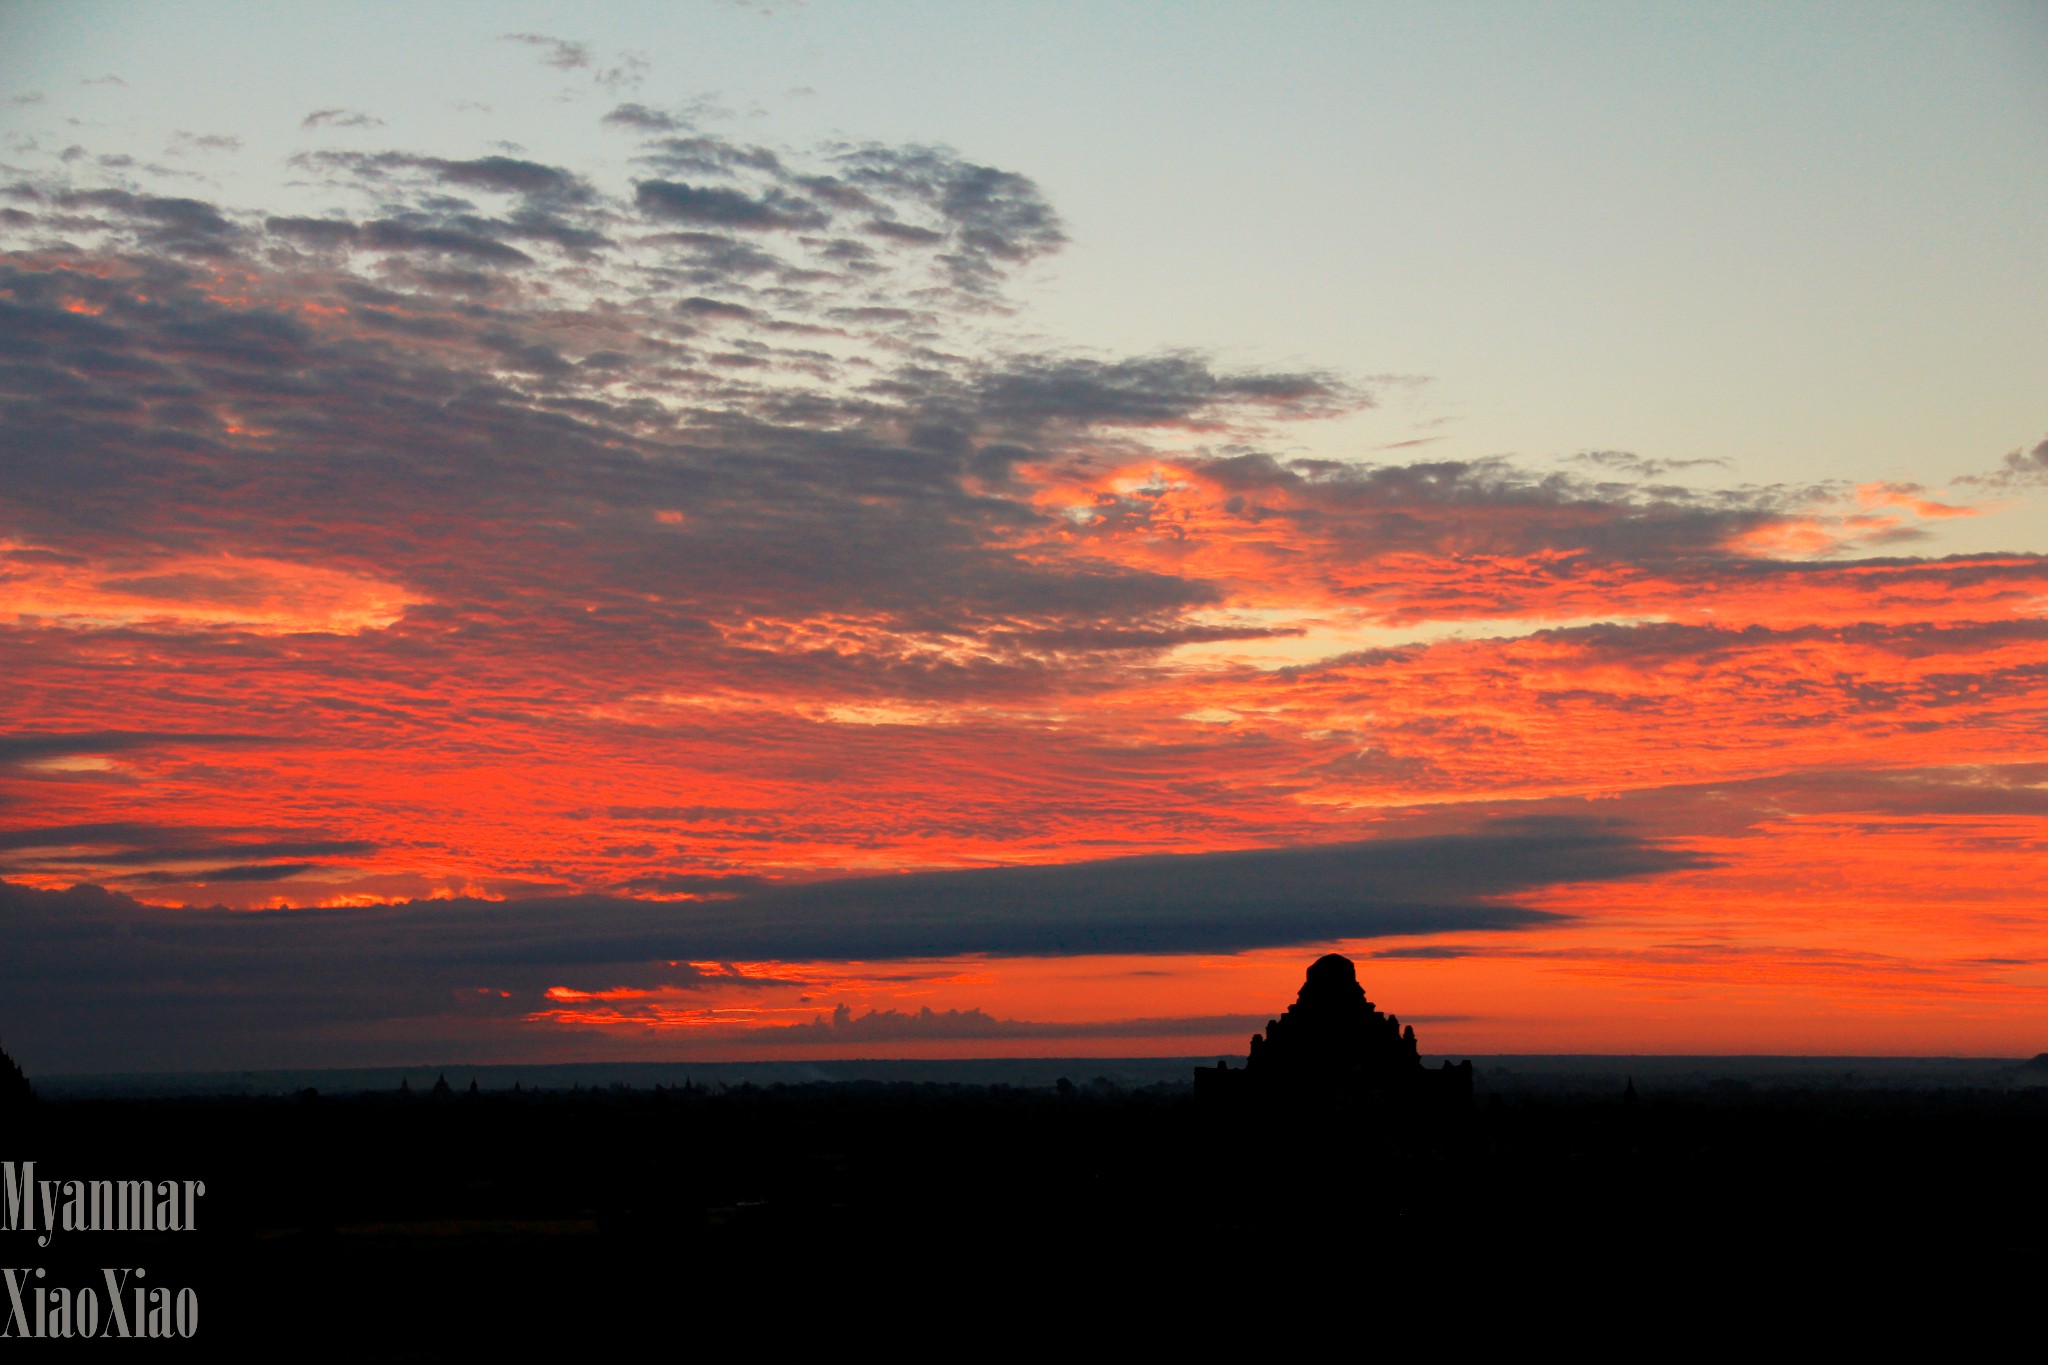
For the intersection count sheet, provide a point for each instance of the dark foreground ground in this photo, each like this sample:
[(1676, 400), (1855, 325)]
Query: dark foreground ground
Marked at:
[(806, 1217)]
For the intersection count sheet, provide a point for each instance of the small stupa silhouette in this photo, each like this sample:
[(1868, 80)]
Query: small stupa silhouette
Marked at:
[(16, 1093)]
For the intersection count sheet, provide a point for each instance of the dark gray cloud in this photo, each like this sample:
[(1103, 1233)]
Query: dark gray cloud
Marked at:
[(1636, 467), (1217, 902), (340, 118), (629, 72), (510, 175), (240, 872), (315, 232), (92, 979), (843, 1026), (969, 223), (1653, 645), (151, 852), (1425, 952), (977, 222), (904, 232), (103, 834), (1492, 506), (559, 53), (1028, 392), (717, 206), (170, 852), (387, 235), (2026, 465), (695, 884), (702, 307), (994, 219), (28, 747), (1086, 639), (173, 224), (1930, 798), (182, 142), (639, 116), (705, 155)]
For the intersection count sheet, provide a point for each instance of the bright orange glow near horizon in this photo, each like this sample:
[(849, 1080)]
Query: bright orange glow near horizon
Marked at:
[(534, 631)]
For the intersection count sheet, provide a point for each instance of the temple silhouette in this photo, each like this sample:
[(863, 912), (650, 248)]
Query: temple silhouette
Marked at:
[(1333, 1047)]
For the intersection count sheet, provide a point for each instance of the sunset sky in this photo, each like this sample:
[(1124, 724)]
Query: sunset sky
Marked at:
[(541, 532)]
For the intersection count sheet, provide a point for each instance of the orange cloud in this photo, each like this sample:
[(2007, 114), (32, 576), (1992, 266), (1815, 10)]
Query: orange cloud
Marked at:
[(220, 591)]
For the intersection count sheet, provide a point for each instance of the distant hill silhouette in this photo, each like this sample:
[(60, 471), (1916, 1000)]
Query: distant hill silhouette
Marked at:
[(2039, 1062), (1333, 1046)]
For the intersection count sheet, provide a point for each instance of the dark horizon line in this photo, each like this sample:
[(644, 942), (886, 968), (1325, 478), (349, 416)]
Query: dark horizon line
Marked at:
[(1813, 1058)]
